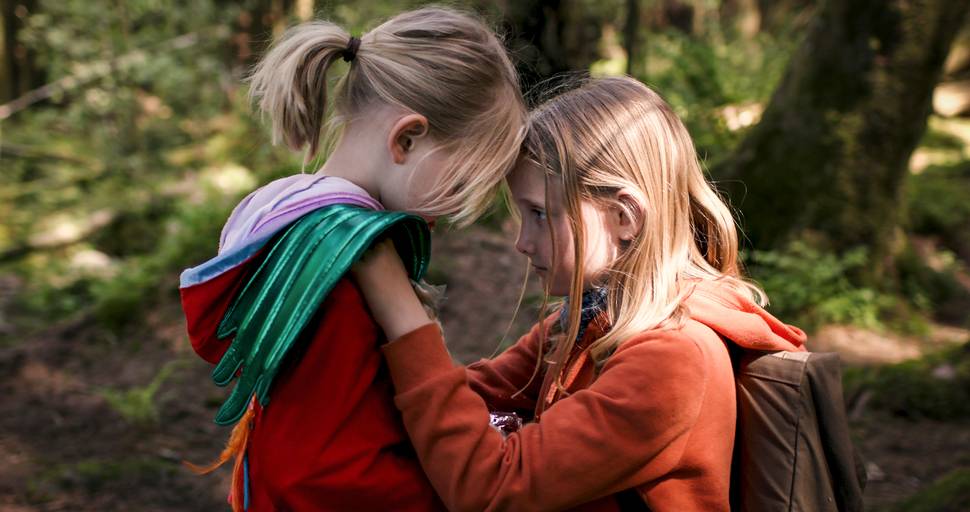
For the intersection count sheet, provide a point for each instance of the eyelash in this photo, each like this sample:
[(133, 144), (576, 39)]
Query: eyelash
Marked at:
[(539, 214)]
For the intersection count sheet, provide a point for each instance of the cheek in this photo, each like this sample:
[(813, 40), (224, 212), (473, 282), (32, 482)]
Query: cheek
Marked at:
[(428, 172), (600, 250), (423, 178), (565, 258)]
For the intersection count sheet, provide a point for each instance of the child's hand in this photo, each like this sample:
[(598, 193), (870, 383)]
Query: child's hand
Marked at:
[(387, 289)]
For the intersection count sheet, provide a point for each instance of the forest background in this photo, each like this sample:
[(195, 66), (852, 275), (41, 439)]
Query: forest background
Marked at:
[(838, 129)]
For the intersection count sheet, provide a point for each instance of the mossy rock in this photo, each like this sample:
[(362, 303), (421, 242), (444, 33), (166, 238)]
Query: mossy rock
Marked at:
[(951, 493), (939, 205), (936, 386)]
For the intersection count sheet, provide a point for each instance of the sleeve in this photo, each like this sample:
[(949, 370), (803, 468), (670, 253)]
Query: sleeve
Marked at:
[(206, 303), (499, 381), (204, 306), (627, 429)]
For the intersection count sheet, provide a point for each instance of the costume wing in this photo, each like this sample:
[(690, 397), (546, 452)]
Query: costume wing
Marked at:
[(299, 271)]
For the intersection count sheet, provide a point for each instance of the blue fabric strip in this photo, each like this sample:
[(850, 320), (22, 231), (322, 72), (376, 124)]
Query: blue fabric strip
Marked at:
[(246, 482), (222, 263)]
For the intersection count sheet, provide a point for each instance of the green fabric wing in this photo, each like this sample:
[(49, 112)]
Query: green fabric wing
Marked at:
[(299, 271)]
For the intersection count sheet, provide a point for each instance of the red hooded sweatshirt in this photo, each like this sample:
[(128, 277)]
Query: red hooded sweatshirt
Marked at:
[(657, 420), (330, 438)]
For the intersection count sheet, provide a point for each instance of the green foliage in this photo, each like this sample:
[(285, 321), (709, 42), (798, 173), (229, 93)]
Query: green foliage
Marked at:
[(951, 493), (94, 475), (939, 139), (812, 287), (717, 79), (935, 291), (138, 405), (939, 205), (188, 237), (936, 386), (153, 137), (702, 74)]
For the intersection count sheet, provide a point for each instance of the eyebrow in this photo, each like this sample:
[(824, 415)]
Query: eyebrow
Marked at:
[(531, 203)]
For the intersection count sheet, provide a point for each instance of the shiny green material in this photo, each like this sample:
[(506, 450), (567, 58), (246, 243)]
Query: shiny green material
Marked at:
[(300, 270)]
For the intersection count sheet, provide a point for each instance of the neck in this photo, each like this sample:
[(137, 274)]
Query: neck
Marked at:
[(347, 162)]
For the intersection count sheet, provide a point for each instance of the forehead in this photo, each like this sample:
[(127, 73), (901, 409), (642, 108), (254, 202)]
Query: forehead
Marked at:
[(527, 182)]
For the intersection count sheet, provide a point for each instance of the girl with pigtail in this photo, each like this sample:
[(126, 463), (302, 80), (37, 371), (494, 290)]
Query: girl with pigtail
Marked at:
[(426, 121), (629, 384)]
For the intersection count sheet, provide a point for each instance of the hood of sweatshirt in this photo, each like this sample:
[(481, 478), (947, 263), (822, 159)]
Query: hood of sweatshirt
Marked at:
[(208, 289), (268, 210), (735, 316)]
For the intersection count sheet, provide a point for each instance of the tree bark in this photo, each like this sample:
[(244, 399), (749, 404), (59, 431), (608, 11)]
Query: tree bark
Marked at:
[(17, 67), (550, 37), (744, 16), (830, 154), (633, 41)]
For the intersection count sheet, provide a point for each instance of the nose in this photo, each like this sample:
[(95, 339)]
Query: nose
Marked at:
[(523, 243)]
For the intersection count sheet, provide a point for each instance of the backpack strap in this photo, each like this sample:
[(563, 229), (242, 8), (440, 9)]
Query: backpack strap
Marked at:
[(300, 269), (824, 375)]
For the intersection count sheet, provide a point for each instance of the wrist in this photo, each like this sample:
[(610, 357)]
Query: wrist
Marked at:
[(407, 316)]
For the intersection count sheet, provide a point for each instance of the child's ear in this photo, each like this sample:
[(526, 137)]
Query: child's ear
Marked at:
[(404, 135), (626, 216)]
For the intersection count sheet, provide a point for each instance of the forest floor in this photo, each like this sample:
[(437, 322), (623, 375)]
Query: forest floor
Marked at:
[(64, 447)]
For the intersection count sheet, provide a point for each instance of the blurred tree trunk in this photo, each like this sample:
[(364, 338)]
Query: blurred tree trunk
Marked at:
[(303, 10), (18, 72), (549, 37), (749, 17), (255, 28), (779, 14), (831, 152), (743, 15), (672, 14), (633, 40)]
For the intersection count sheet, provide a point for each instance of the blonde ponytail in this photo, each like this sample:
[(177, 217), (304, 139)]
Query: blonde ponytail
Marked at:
[(439, 62), (290, 82)]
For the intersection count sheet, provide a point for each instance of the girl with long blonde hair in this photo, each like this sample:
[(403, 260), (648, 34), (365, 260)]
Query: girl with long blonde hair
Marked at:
[(427, 118), (629, 385)]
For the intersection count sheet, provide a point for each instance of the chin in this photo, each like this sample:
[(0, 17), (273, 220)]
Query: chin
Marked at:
[(559, 291)]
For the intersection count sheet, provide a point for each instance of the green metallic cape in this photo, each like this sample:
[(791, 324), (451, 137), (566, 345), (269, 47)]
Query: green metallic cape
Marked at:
[(299, 271)]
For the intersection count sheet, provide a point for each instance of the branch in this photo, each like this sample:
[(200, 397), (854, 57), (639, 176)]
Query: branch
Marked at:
[(87, 73)]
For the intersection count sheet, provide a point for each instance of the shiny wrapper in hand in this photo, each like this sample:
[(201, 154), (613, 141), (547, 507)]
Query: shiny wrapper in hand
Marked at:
[(505, 422)]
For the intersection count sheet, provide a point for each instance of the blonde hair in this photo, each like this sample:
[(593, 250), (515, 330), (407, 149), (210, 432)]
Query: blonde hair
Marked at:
[(441, 63), (616, 133)]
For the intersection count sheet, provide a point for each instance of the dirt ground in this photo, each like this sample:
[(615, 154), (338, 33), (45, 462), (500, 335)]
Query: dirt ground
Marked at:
[(64, 448)]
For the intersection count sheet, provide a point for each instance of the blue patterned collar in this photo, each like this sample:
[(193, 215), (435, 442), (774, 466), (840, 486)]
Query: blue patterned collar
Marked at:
[(594, 302)]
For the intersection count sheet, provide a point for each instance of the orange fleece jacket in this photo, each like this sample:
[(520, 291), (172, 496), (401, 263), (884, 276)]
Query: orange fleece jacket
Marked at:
[(659, 418)]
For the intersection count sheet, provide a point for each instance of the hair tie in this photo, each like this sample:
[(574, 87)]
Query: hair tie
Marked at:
[(350, 53)]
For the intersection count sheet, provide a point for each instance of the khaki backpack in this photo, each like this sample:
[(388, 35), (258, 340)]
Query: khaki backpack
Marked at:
[(792, 448)]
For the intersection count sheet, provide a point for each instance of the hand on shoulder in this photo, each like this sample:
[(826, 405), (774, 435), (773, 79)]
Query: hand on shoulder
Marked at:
[(386, 287)]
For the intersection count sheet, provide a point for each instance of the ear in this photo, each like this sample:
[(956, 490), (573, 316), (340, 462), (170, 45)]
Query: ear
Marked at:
[(404, 135), (626, 217)]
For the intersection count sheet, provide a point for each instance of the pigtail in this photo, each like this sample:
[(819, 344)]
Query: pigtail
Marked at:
[(290, 83)]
